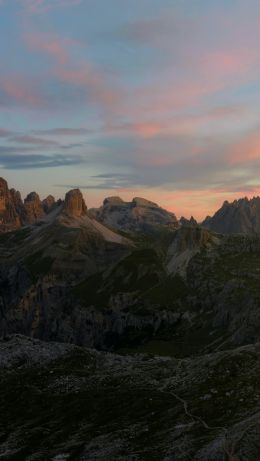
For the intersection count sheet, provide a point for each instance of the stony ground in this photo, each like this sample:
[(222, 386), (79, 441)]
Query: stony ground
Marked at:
[(62, 402)]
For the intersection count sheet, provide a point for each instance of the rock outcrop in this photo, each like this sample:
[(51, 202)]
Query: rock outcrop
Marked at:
[(240, 216), (75, 204), (33, 208), (140, 215), (187, 242)]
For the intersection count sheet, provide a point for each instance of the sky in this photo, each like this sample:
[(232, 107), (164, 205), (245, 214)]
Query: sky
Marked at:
[(151, 98)]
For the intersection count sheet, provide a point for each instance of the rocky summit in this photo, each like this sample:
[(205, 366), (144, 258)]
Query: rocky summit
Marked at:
[(140, 215), (125, 335)]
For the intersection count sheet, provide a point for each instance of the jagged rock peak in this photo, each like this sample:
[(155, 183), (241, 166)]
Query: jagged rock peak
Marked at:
[(48, 203), (239, 216), (188, 222), (74, 203)]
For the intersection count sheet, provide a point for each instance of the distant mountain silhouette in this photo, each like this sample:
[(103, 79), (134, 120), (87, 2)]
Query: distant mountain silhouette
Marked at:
[(240, 216)]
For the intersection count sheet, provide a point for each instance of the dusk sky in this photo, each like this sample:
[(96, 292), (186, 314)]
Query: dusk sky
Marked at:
[(151, 98)]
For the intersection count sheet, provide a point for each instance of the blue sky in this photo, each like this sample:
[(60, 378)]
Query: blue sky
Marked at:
[(132, 98)]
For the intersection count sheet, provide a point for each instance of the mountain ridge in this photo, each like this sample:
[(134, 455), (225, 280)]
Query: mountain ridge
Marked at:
[(239, 216)]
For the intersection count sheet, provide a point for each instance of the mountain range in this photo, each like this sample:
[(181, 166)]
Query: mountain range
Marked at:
[(139, 215), (127, 334)]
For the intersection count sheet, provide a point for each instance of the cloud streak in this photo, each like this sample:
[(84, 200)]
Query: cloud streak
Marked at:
[(26, 139), (64, 132), (37, 161)]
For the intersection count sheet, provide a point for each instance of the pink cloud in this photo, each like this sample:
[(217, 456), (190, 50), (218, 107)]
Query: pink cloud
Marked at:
[(95, 84), (223, 64), (178, 125), (52, 45), (145, 129), (20, 90), (212, 77), (82, 74), (246, 150), (172, 96)]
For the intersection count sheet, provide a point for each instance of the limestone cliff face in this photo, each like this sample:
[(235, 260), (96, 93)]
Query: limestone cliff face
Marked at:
[(9, 217), (74, 204), (33, 208), (140, 215)]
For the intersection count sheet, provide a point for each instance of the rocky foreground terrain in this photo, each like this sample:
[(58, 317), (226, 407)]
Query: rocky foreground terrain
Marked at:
[(126, 342), (62, 402)]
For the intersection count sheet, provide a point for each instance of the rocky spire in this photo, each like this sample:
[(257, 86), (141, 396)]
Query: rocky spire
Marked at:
[(9, 218), (19, 205), (48, 203), (33, 208), (74, 203)]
